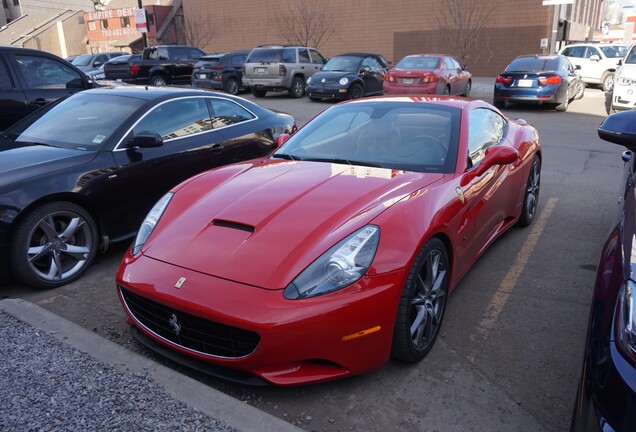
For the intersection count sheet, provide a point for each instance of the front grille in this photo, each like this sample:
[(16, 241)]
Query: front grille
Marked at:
[(190, 331)]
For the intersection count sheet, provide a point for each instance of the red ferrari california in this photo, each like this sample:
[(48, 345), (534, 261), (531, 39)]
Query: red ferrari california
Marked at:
[(338, 251)]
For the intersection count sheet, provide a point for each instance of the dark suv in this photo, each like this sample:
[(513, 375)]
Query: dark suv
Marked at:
[(281, 67), (220, 71)]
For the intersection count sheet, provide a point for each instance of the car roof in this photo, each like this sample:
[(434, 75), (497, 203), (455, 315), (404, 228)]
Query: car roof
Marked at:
[(540, 56), (359, 54), (152, 93), (451, 101)]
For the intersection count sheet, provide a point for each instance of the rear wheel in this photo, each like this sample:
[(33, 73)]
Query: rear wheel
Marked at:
[(231, 86), (531, 196), (422, 305), (607, 81), (499, 103), (258, 92), (580, 90), (446, 91), (467, 89), (562, 107), (297, 88), (158, 80), (356, 91)]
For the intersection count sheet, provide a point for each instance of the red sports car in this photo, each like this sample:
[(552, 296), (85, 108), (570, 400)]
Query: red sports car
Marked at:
[(339, 250), (428, 74)]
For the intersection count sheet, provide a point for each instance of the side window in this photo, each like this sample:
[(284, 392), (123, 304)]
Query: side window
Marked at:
[(289, 55), (485, 128), (176, 119), (303, 56), (591, 51), (5, 80), (456, 64), (180, 53), (194, 53), (371, 64), (46, 73), (316, 57), (449, 63), (162, 53), (578, 51), (567, 52), (238, 60), (225, 113), (102, 58)]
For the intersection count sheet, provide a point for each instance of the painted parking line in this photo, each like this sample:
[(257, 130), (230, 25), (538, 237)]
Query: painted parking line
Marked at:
[(501, 296)]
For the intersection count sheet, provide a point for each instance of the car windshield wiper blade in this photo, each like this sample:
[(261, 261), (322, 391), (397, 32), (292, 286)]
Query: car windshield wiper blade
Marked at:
[(344, 161), (286, 156)]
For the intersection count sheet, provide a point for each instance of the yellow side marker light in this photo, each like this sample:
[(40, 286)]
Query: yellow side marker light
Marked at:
[(361, 333)]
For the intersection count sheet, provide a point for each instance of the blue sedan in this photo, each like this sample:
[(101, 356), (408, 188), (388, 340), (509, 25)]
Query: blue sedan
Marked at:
[(539, 79)]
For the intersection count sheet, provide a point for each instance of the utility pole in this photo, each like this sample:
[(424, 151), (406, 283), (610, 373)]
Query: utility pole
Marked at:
[(144, 38)]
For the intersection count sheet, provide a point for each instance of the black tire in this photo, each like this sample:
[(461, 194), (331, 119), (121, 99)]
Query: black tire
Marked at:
[(356, 91), (580, 90), (53, 245), (297, 88), (531, 195), (232, 86), (469, 86), (499, 104), (258, 92), (423, 300), (446, 91), (158, 80), (607, 81), (563, 107)]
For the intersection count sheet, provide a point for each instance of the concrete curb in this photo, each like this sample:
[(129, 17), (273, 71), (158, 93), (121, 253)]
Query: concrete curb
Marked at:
[(207, 400)]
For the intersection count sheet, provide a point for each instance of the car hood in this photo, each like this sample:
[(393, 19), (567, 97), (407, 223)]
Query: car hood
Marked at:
[(21, 161), (263, 226), (627, 70)]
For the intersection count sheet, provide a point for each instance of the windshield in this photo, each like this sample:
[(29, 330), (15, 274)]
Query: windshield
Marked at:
[(525, 64), (343, 64), (397, 135), (83, 60), (614, 51), (631, 56), (83, 121), (418, 63)]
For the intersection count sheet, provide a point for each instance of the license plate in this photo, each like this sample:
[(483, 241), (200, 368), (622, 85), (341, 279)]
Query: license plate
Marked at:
[(407, 80), (202, 76), (524, 83), (261, 70)]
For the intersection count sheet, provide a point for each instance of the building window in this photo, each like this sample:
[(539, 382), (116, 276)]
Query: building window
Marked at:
[(124, 21), (92, 26), (103, 24), (16, 2), (4, 3), (151, 19)]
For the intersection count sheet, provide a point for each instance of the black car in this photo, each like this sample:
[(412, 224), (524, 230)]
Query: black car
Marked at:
[(91, 62), (32, 78), (84, 172), (220, 71), (348, 76), (606, 397), (539, 79)]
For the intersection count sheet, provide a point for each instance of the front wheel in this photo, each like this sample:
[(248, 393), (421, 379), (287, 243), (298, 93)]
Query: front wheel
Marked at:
[(356, 91), (531, 196), (53, 245), (421, 309)]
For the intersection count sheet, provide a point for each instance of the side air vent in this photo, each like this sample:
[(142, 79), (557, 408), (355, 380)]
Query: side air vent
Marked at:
[(233, 225)]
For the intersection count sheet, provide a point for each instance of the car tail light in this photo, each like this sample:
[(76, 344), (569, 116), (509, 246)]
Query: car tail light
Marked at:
[(503, 80), (217, 67), (389, 78), (430, 78), (625, 321), (282, 70), (134, 70), (555, 79)]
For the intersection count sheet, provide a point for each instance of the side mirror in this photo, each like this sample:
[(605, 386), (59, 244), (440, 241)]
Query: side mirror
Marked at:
[(281, 139), (496, 155), (97, 64), (620, 62), (466, 68), (145, 139), (577, 67), (595, 58), (620, 128)]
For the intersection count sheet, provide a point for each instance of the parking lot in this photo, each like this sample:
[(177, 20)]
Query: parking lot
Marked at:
[(510, 350)]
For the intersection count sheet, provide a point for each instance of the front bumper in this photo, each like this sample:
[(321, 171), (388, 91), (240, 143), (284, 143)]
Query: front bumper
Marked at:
[(301, 341), (624, 97), (340, 93)]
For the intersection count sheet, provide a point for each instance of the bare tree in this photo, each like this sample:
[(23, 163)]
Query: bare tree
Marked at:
[(198, 31), (462, 21), (308, 23)]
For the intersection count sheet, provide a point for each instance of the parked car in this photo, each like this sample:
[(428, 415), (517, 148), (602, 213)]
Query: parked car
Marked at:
[(220, 71), (598, 62), (348, 76), (90, 62), (606, 396), (428, 74), (159, 66), (539, 79), (336, 252), (31, 78), (623, 96), (84, 172), (281, 67), (71, 57), (98, 74)]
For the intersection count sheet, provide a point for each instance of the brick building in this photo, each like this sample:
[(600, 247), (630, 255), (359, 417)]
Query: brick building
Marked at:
[(400, 27)]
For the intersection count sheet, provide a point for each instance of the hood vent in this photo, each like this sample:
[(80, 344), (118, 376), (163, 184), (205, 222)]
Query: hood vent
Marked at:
[(233, 225)]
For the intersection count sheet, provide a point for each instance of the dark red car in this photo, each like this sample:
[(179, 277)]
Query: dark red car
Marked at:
[(428, 74), (339, 250)]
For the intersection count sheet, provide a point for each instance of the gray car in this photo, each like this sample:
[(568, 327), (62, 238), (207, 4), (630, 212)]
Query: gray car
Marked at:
[(281, 67), (90, 62)]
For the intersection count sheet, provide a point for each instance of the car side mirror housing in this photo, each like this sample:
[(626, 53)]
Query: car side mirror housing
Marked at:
[(595, 58), (577, 67), (620, 62), (496, 155), (281, 139), (146, 139), (97, 64), (620, 128), (466, 68)]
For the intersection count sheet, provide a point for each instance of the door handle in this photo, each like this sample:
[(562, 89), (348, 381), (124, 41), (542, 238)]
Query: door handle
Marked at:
[(216, 148), (39, 102)]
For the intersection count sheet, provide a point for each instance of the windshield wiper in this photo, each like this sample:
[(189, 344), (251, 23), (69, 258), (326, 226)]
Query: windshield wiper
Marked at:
[(286, 156), (344, 161)]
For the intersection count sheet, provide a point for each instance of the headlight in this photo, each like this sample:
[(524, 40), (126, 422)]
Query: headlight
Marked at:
[(149, 224), (340, 266), (626, 81), (625, 321), (308, 80), (344, 81)]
